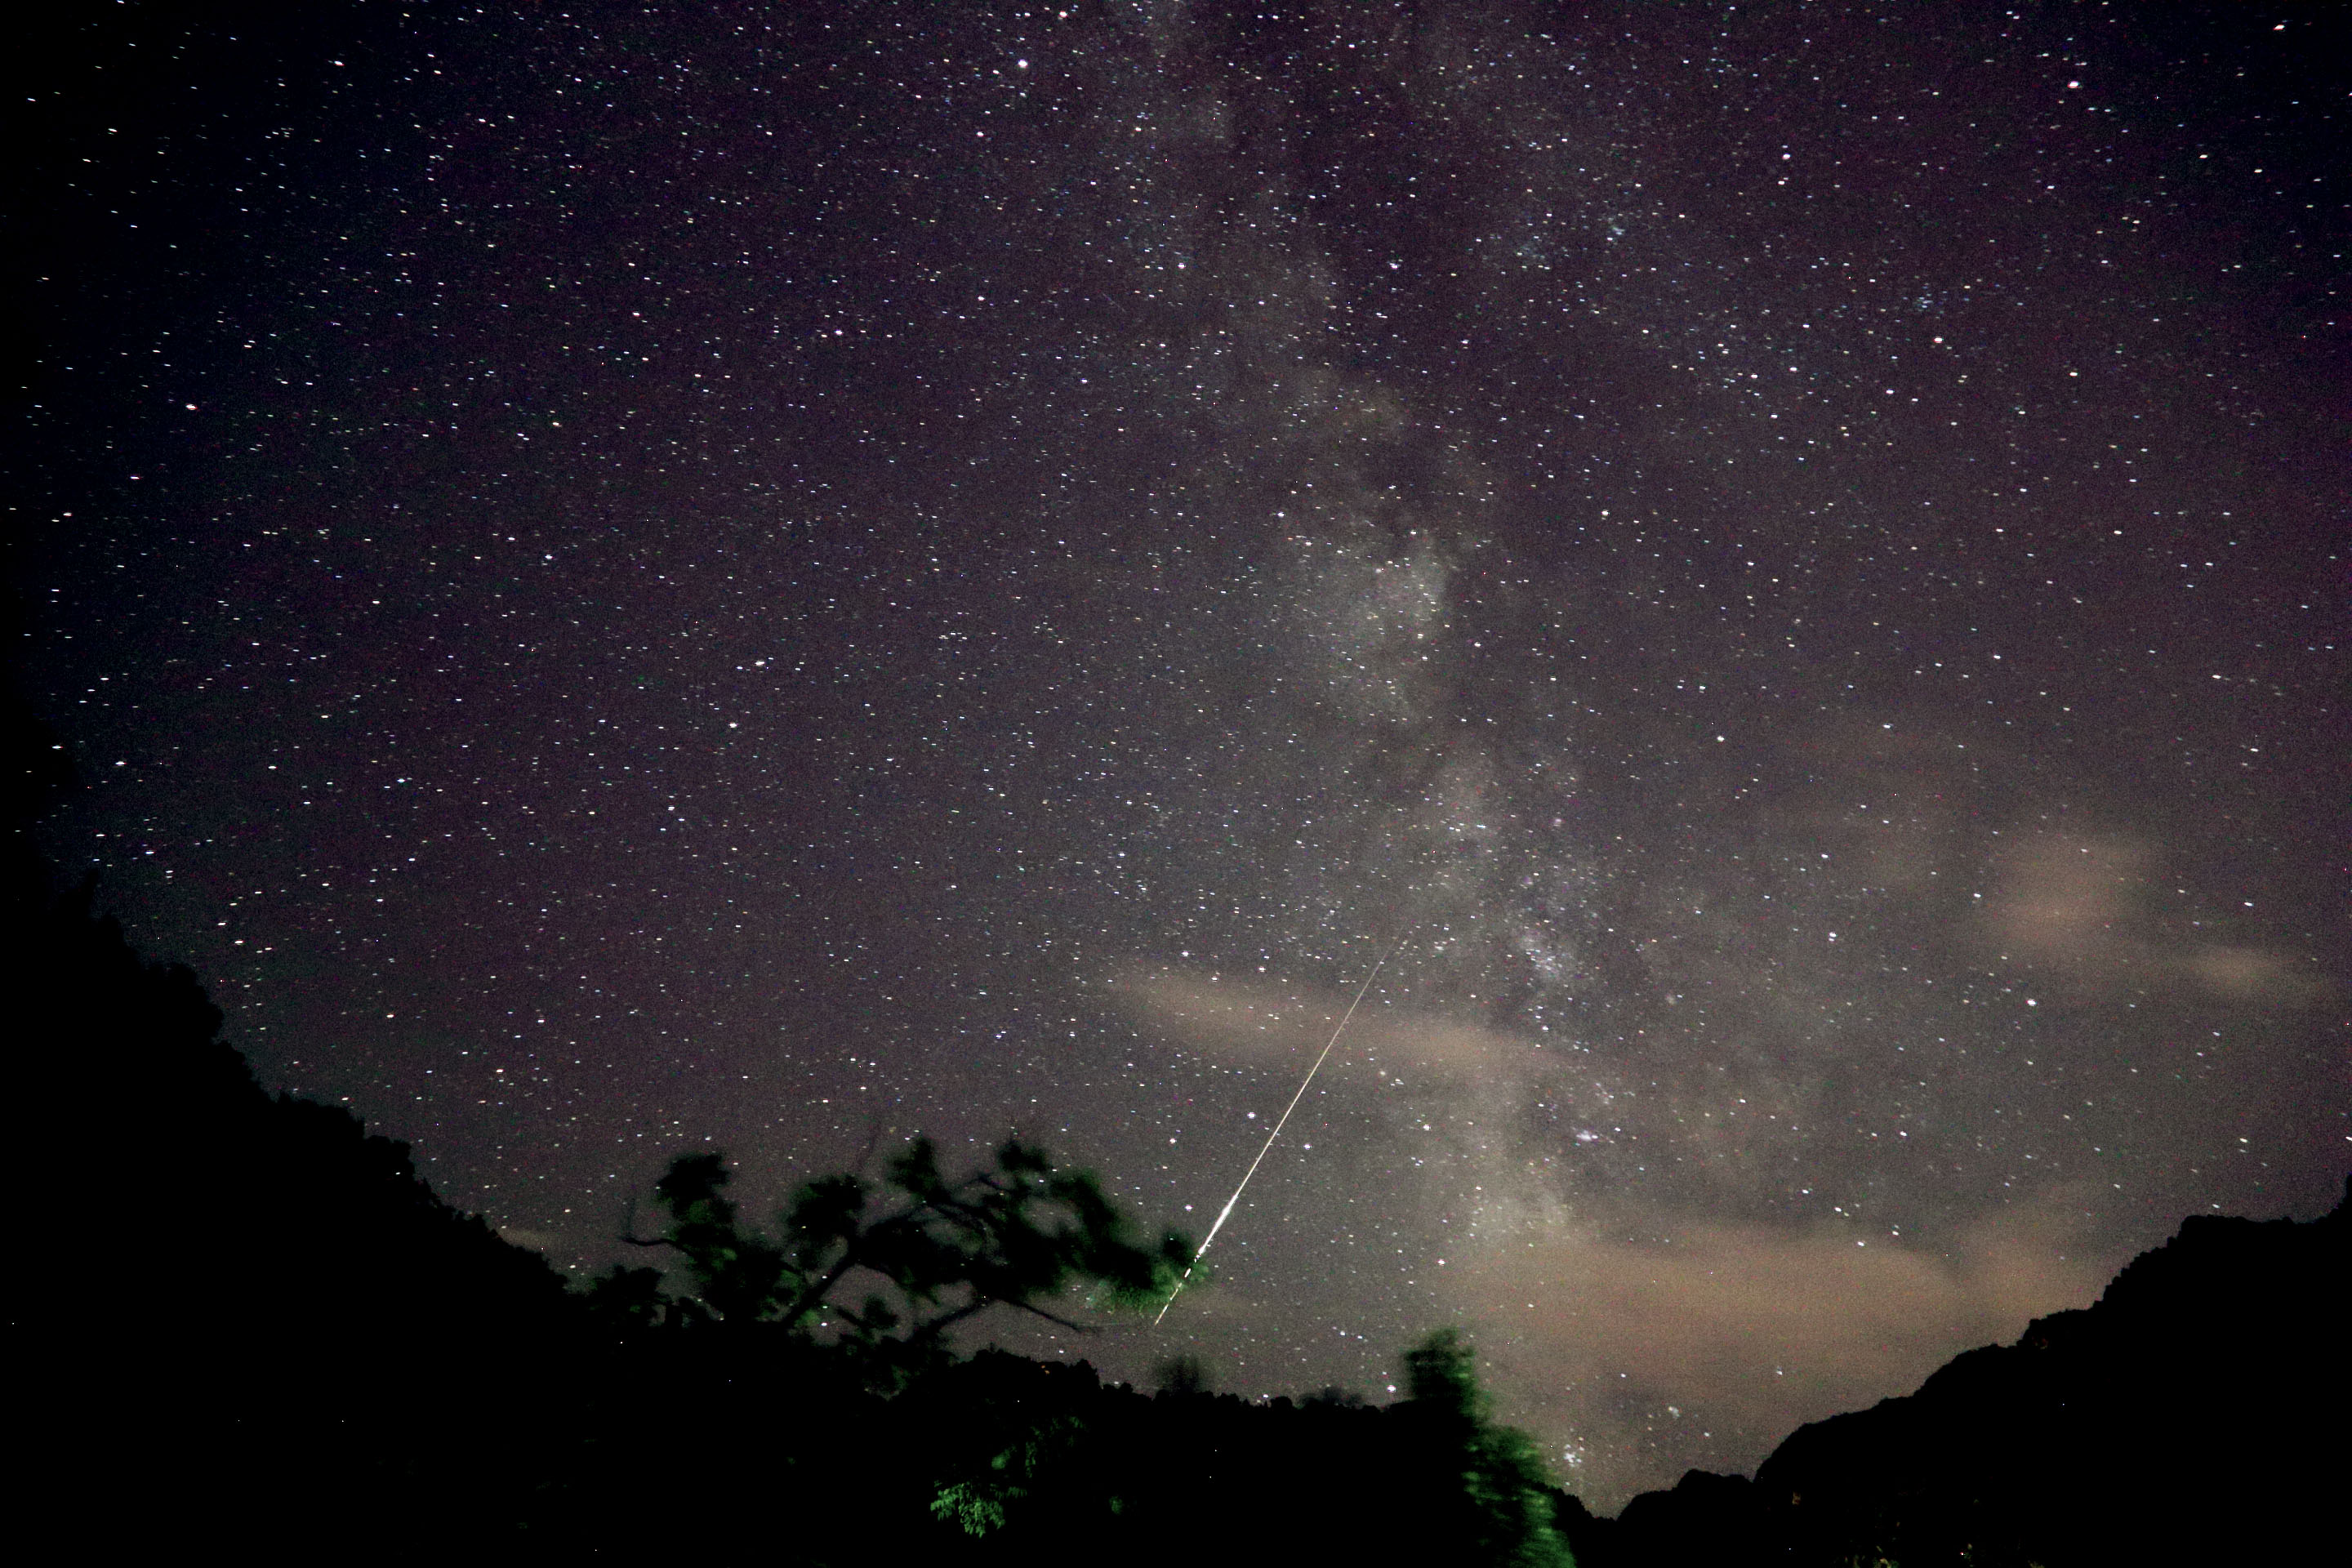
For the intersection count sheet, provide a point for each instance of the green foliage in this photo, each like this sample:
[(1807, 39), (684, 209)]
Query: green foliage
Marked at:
[(972, 1505), (977, 1504), (883, 1270), (1503, 1494)]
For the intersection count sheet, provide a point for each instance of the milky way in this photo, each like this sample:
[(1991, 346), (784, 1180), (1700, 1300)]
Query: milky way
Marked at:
[(783, 576)]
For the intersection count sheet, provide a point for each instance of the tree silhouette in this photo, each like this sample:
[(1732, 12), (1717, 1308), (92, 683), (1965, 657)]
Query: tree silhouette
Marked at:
[(882, 1273), (1497, 1504)]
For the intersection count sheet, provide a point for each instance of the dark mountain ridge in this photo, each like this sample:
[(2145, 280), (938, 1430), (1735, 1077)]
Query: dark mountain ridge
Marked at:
[(2194, 1411), (260, 1324)]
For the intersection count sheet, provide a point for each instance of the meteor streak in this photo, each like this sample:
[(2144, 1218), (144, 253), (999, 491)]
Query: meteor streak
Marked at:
[(1226, 1213)]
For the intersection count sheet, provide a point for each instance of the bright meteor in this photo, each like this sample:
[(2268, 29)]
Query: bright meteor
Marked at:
[(1226, 1213)]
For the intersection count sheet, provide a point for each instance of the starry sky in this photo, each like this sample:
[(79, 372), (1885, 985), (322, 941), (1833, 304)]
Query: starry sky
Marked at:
[(631, 578)]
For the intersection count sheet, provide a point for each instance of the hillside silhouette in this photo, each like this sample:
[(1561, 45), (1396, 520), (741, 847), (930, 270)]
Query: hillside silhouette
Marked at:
[(245, 1296), (260, 1326), (251, 1323), (269, 1329), (2193, 1413)]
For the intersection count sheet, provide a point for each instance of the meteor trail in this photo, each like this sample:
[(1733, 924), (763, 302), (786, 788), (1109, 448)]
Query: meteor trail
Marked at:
[(1226, 1213)]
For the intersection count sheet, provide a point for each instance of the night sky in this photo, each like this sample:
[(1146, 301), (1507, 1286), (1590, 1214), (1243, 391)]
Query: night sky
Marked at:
[(623, 579)]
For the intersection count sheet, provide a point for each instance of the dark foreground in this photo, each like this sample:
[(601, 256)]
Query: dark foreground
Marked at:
[(248, 1324)]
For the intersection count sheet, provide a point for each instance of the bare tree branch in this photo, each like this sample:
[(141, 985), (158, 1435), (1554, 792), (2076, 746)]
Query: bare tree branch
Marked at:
[(1065, 1322)]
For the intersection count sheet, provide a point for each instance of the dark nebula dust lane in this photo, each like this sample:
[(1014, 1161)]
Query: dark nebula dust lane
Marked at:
[(626, 579)]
